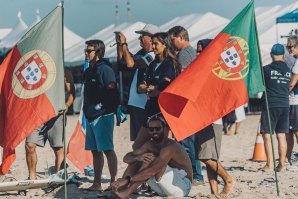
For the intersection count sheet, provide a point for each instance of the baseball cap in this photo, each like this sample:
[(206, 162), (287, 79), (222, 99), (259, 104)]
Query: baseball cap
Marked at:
[(149, 29), (277, 49)]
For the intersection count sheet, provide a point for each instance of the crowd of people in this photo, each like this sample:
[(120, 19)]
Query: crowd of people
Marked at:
[(168, 167)]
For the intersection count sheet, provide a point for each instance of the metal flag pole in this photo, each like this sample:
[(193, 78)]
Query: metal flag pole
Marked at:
[(64, 135), (267, 108)]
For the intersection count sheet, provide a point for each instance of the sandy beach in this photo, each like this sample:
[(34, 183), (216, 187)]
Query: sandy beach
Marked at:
[(236, 154)]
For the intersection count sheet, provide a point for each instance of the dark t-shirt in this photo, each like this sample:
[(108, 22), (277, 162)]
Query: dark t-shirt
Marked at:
[(277, 79), (160, 75), (96, 79)]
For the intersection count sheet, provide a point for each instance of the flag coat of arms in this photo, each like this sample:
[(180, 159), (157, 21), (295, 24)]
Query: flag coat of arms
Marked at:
[(218, 81), (31, 84)]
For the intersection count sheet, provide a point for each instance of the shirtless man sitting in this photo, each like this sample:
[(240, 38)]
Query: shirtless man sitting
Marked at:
[(161, 161)]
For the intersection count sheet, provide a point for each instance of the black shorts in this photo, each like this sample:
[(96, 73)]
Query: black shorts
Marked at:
[(279, 120), (293, 117)]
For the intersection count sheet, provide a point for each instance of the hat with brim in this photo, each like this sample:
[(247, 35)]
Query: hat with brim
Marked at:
[(149, 29)]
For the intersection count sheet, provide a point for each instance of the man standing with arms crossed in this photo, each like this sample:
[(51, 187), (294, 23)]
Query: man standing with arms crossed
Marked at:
[(186, 54)]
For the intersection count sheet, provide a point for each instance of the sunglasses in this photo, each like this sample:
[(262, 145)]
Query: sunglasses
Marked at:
[(88, 51), (157, 128)]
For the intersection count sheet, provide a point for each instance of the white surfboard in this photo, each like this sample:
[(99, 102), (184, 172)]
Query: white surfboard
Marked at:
[(28, 184), (52, 181)]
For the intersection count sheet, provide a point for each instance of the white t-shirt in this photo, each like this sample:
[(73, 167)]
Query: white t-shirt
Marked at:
[(139, 99), (294, 98)]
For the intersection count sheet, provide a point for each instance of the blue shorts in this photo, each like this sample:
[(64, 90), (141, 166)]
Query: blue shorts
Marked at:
[(279, 120), (99, 133)]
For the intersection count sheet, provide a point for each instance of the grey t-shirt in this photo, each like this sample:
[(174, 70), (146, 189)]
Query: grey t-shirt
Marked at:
[(186, 56)]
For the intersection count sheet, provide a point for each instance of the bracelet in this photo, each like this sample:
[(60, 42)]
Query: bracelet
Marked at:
[(123, 44)]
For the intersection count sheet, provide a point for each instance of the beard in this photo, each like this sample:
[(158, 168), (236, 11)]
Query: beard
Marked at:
[(157, 137)]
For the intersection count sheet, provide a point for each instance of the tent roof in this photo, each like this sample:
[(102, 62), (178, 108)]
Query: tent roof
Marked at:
[(15, 34), (4, 32), (290, 17), (71, 38)]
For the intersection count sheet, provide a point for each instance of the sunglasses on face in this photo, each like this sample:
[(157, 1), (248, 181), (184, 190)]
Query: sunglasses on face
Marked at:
[(290, 47), (88, 51), (157, 128)]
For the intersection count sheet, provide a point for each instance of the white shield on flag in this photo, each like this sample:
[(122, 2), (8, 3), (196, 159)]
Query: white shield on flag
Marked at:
[(31, 73), (231, 57)]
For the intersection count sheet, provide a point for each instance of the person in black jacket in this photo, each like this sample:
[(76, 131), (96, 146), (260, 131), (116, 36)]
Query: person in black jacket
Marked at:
[(101, 99)]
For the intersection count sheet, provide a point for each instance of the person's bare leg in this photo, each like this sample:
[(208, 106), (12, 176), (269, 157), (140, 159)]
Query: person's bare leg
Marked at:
[(268, 151), (98, 162), (59, 157), (126, 192), (290, 145), (296, 134), (228, 180), (282, 150), (230, 129), (141, 138), (112, 163), (31, 159), (212, 177), (132, 169), (237, 128)]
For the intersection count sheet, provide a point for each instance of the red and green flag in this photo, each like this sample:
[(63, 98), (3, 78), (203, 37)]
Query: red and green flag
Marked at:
[(218, 81), (31, 84)]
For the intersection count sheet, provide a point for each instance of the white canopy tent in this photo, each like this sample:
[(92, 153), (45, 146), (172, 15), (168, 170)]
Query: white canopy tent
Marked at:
[(71, 38), (4, 32), (199, 26), (75, 55), (15, 34)]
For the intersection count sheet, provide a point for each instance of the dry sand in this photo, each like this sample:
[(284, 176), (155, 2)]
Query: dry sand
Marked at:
[(236, 152)]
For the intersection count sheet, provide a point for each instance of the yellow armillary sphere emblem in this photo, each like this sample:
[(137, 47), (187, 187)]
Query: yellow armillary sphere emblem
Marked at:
[(233, 63), (34, 73)]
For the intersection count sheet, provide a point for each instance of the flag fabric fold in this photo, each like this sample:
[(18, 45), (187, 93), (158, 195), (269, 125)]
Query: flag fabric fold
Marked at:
[(76, 152), (31, 84), (218, 81)]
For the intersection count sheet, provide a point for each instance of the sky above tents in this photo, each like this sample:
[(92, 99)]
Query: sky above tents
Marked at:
[(86, 17)]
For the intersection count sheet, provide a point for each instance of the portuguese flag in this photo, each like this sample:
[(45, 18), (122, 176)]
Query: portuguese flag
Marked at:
[(31, 84), (218, 81)]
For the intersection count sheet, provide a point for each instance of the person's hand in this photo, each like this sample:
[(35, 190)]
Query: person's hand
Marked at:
[(119, 183), (146, 158), (122, 38), (152, 91), (65, 110)]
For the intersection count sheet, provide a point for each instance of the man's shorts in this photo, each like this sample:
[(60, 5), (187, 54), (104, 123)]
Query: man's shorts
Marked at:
[(208, 142), (54, 133), (279, 120), (99, 133), (172, 183), (293, 117)]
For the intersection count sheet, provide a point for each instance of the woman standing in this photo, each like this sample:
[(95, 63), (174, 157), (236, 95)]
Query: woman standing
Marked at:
[(160, 73)]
